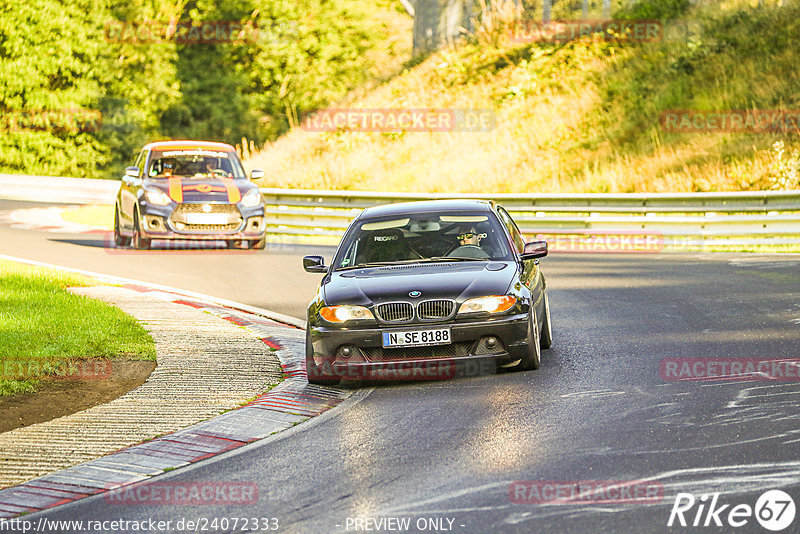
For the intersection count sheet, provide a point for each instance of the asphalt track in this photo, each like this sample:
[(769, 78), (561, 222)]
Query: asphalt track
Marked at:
[(273, 279), (598, 409)]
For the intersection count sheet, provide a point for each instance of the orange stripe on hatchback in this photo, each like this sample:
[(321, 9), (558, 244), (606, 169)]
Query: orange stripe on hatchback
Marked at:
[(176, 189), (234, 195)]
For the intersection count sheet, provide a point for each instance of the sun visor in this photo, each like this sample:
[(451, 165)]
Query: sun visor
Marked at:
[(385, 225), (463, 218)]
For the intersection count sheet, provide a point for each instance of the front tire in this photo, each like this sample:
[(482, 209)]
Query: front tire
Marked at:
[(547, 329), (119, 239), (315, 376), (259, 244), (139, 242), (533, 354)]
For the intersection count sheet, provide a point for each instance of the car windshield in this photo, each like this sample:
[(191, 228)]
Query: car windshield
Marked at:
[(425, 237), (195, 164)]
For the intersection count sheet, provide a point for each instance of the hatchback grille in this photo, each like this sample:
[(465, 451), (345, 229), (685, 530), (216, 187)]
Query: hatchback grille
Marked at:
[(435, 309), (395, 312), (208, 227), (228, 209), (183, 214)]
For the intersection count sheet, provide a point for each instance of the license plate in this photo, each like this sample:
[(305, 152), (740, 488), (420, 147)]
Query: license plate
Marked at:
[(416, 338), (206, 218)]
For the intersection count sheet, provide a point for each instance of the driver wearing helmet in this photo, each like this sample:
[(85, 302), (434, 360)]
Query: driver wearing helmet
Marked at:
[(168, 167)]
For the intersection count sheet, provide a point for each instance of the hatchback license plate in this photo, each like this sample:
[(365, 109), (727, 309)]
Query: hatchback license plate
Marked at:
[(206, 218), (416, 338)]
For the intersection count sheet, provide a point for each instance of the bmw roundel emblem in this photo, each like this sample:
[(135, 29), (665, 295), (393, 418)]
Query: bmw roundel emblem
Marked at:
[(414, 294)]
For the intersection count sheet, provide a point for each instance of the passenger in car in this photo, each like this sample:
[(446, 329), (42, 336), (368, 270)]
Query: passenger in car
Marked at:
[(385, 245)]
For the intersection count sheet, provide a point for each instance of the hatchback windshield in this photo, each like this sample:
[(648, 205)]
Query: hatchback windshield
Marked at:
[(452, 236), (195, 164)]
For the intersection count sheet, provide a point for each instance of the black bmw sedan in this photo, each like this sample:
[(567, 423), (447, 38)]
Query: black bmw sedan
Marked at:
[(428, 290)]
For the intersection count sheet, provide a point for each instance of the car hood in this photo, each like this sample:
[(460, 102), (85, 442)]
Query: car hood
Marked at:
[(201, 190), (457, 281)]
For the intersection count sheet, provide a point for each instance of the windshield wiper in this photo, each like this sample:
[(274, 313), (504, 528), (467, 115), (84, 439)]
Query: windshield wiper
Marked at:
[(376, 264), (406, 262), (455, 258)]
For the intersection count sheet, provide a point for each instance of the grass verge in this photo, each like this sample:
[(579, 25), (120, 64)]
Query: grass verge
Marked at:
[(47, 332)]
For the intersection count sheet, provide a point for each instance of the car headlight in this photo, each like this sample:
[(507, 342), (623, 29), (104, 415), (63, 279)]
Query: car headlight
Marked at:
[(159, 198), (251, 199), (340, 314), (490, 304)]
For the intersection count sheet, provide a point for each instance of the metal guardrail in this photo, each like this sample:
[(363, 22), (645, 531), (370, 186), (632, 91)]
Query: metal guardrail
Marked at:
[(766, 217), (677, 220)]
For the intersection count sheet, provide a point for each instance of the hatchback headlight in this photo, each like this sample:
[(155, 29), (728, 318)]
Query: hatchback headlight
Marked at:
[(340, 314), (490, 304), (251, 199), (159, 198)]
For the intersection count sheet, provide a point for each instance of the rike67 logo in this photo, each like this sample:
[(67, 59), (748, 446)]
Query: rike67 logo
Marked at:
[(774, 510)]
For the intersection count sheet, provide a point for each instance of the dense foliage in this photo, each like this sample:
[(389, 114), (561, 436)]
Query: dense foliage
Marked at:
[(83, 83), (581, 115)]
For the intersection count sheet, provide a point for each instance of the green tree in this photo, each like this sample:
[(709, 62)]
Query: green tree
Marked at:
[(303, 55), (58, 55), (55, 58)]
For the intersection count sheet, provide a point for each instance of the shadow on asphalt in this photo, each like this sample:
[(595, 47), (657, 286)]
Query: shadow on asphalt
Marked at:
[(156, 246), (95, 243)]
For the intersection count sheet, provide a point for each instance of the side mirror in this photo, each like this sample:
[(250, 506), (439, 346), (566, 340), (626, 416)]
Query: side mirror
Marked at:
[(315, 264), (133, 172), (256, 174), (535, 249)]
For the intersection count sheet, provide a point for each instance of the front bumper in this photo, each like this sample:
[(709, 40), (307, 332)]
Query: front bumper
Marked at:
[(470, 351), (165, 222)]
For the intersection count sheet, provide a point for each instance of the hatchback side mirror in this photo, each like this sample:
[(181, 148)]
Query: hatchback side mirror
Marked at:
[(534, 249), (256, 174), (133, 172), (315, 264)]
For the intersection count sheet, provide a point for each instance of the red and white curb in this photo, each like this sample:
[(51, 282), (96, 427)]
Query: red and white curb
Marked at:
[(292, 401)]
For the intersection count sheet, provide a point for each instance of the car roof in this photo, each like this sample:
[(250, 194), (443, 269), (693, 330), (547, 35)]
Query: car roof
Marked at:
[(427, 206), (188, 145)]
